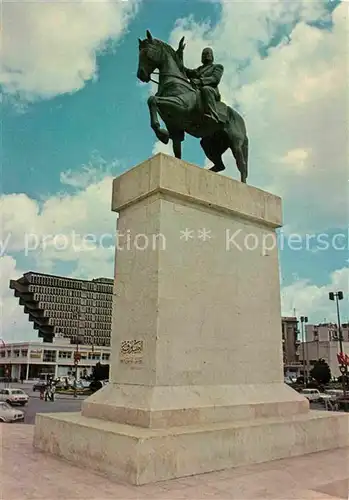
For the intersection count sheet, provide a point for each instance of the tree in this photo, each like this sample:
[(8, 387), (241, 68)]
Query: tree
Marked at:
[(100, 372), (321, 372)]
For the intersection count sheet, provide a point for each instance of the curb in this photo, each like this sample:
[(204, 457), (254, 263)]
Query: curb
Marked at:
[(62, 397)]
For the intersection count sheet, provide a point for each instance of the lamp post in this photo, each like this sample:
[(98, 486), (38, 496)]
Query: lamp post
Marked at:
[(77, 357), (304, 319), (337, 296), (316, 338)]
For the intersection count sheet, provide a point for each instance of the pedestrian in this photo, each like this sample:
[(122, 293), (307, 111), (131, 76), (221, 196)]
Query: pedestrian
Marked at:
[(42, 392), (46, 392), (52, 392)]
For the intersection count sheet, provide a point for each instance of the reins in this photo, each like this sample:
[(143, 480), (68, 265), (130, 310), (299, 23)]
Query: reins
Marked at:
[(170, 74)]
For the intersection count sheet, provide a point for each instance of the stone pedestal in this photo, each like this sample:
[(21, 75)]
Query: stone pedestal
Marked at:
[(196, 368)]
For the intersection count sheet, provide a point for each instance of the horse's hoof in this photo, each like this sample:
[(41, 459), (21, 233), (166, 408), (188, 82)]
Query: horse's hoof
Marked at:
[(163, 135), (217, 168)]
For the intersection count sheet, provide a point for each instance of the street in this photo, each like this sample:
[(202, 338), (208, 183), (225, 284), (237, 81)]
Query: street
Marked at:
[(36, 405), (65, 403)]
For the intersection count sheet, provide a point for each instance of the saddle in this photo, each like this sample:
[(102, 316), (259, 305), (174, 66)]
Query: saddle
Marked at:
[(201, 125)]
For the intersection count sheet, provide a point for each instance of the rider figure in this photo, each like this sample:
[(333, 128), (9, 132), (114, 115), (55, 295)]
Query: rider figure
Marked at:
[(207, 78)]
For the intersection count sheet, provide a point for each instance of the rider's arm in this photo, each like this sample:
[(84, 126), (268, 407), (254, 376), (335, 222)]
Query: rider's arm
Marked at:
[(215, 78), (191, 73)]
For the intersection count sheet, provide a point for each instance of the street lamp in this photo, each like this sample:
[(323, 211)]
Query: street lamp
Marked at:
[(304, 319), (316, 339), (77, 356), (337, 296)]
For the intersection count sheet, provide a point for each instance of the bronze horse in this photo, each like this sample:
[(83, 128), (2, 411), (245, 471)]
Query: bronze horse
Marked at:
[(179, 105)]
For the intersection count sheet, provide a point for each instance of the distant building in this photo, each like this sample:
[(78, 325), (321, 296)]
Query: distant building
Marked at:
[(67, 308), (327, 350), (29, 360), (322, 342), (324, 332), (290, 341)]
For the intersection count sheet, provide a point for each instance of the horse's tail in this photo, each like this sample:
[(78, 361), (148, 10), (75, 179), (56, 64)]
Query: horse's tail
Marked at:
[(244, 148)]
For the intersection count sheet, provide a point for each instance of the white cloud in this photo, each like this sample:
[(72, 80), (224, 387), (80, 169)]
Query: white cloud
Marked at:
[(295, 101), (92, 173), (78, 228), (50, 48), (160, 147), (312, 300), (14, 323), (75, 229)]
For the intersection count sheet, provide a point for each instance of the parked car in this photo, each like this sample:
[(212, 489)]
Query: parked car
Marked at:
[(83, 384), (288, 380), (311, 394), (334, 392), (39, 385), (343, 403), (14, 396), (8, 414)]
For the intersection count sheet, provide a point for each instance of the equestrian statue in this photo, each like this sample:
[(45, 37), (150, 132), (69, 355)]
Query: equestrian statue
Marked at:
[(188, 100)]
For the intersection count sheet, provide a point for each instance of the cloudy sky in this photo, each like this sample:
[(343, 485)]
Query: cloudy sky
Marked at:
[(74, 116)]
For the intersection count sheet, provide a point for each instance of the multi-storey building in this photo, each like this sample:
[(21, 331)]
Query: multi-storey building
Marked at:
[(326, 332), (29, 360), (67, 307), (290, 341), (328, 350)]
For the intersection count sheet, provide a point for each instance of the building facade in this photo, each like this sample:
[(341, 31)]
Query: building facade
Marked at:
[(29, 360), (324, 332), (327, 350), (67, 308), (290, 341)]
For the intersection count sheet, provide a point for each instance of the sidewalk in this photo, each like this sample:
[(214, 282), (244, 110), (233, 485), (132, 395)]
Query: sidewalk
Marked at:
[(27, 475)]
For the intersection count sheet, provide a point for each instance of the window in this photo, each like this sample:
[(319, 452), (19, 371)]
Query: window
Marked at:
[(105, 357), (8, 353), (49, 356), (24, 353), (94, 356), (2, 354), (64, 354)]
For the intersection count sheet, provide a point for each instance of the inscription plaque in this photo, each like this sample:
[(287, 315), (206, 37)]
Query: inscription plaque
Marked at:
[(131, 352)]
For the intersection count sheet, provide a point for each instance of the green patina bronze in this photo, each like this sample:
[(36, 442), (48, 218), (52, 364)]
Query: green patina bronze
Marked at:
[(188, 101)]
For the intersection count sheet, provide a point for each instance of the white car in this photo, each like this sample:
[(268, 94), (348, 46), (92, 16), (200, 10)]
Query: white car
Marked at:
[(83, 384), (8, 414), (14, 396), (334, 392), (311, 394)]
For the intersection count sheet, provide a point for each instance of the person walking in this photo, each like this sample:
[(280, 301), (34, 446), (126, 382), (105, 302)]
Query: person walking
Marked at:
[(52, 392)]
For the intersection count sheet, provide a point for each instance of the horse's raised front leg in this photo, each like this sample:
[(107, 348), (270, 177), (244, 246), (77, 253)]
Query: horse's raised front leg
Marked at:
[(161, 133)]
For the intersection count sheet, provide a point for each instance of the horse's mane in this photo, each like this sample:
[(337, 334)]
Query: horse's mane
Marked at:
[(175, 54)]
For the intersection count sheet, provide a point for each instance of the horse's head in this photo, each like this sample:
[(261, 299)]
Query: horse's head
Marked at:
[(150, 57), (155, 54)]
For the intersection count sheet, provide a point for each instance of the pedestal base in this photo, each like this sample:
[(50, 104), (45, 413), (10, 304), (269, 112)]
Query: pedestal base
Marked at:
[(140, 456), (171, 406)]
